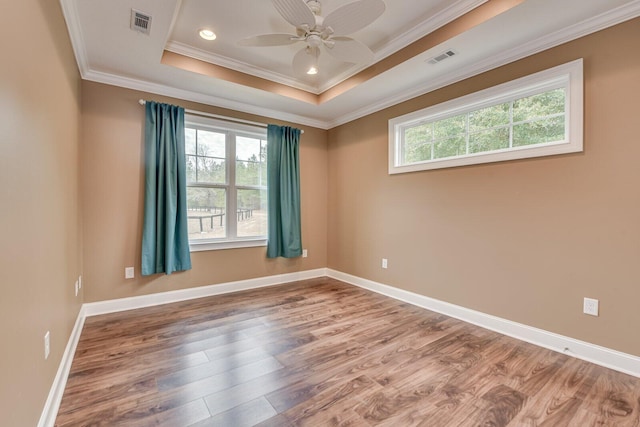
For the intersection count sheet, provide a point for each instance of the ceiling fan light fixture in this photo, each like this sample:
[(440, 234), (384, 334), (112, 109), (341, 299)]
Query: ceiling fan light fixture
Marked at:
[(207, 34), (322, 33)]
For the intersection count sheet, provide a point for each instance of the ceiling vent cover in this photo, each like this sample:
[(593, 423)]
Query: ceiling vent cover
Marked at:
[(140, 21), (439, 58)]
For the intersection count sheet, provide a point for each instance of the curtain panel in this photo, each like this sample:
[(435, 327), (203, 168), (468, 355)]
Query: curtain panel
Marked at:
[(165, 240), (283, 182)]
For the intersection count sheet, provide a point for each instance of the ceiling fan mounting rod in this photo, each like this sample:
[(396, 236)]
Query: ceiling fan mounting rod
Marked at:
[(315, 6)]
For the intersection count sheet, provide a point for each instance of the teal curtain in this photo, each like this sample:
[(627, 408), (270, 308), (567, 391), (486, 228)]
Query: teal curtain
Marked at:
[(283, 182), (165, 240)]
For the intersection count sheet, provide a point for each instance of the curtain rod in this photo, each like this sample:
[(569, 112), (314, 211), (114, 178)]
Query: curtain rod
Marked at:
[(217, 116)]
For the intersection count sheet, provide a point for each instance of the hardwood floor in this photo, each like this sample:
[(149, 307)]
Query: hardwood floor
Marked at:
[(324, 353)]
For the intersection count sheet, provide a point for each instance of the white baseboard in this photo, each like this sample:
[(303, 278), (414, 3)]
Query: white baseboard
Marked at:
[(122, 304), (623, 362), (50, 411)]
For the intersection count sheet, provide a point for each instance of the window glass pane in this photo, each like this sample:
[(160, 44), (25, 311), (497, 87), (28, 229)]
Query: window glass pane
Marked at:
[(450, 147), (539, 131), (190, 141), (191, 168), (417, 143), (263, 162), (247, 173), (450, 127), (206, 209), (489, 117), (418, 134), (252, 213), (206, 168), (542, 113), (541, 105), (251, 155), (417, 152), (211, 144), (489, 140), (263, 173), (247, 148), (211, 170)]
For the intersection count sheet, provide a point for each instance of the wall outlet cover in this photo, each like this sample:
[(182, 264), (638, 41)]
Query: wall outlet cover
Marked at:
[(590, 306), (129, 273)]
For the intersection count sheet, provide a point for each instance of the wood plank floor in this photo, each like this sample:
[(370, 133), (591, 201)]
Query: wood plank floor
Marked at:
[(324, 353)]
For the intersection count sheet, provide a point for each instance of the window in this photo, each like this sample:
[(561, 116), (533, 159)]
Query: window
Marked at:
[(537, 115), (226, 184)]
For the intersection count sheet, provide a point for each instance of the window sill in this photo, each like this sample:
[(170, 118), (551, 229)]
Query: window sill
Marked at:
[(195, 246)]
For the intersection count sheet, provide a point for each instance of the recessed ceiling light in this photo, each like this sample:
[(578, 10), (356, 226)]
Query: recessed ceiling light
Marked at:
[(312, 71), (207, 34)]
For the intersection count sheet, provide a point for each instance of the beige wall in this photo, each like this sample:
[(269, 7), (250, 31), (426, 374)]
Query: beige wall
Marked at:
[(524, 240), (40, 254), (112, 184)]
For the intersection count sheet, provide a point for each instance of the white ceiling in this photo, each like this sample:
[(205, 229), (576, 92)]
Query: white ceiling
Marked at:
[(108, 51)]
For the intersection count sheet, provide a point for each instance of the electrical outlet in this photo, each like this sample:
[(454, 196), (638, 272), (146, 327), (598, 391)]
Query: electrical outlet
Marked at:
[(304, 253), (129, 273), (47, 345), (384, 263), (590, 306), (77, 287)]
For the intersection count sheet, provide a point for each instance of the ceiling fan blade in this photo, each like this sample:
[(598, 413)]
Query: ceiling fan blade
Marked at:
[(305, 59), (295, 12), (354, 16), (349, 50), (269, 40)]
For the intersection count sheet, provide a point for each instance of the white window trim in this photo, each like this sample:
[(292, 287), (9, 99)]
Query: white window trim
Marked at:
[(208, 123), (568, 76)]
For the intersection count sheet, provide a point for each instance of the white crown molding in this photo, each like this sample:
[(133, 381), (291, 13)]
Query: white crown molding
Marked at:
[(439, 19), (187, 95), (605, 20), (612, 359), (243, 67), (70, 13), (51, 406), (573, 32), (122, 304)]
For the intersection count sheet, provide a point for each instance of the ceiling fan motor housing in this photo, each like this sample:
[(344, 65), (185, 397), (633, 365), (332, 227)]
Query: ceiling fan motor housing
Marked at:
[(314, 40)]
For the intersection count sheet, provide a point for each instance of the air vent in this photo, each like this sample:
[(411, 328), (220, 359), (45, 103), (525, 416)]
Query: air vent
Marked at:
[(441, 57), (140, 21)]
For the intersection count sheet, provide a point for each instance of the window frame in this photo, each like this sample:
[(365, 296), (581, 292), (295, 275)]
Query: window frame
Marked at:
[(231, 130), (568, 76)]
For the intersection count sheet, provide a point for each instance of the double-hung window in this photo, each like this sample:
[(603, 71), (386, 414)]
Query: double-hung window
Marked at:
[(226, 184), (537, 115)]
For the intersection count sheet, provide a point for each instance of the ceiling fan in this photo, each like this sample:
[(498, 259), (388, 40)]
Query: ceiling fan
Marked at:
[(316, 32)]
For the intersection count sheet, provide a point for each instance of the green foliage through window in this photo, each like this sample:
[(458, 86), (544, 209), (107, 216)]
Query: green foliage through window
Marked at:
[(532, 120)]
